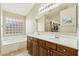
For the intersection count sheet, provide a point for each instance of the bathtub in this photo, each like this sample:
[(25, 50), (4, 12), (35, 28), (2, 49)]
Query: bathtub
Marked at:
[(10, 44)]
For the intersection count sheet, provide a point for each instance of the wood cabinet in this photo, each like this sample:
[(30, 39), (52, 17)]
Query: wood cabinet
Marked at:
[(29, 44), (51, 45), (42, 51), (66, 50), (41, 43), (35, 47), (39, 47), (56, 53)]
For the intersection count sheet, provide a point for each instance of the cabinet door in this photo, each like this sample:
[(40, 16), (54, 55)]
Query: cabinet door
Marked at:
[(34, 47), (29, 44), (34, 51), (41, 43), (42, 51), (45, 51), (51, 52)]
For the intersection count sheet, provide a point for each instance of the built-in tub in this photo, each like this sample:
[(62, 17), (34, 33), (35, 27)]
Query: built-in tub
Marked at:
[(13, 43)]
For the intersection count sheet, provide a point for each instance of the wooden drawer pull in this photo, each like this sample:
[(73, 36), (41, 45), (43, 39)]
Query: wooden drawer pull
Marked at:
[(51, 52), (48, 50), (64, 50)]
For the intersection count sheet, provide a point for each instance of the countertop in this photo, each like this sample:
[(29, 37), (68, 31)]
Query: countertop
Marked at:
[(66, 41)]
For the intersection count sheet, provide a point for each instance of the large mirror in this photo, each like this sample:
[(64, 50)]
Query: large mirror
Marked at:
[(63, 20)]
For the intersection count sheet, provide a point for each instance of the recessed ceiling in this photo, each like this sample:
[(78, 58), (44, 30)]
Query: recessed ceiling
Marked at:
[(18, 8)]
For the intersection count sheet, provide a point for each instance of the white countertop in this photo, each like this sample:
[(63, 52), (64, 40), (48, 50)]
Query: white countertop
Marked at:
[(66, 41)]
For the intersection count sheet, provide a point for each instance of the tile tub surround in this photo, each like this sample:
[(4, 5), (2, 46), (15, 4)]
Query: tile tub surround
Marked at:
[(71, 41)]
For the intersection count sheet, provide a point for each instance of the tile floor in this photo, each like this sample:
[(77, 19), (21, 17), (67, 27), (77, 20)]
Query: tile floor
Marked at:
[(25, 53), (18, 53)]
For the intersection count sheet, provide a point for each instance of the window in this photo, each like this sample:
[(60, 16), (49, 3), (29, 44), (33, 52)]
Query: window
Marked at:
[(13, 26)]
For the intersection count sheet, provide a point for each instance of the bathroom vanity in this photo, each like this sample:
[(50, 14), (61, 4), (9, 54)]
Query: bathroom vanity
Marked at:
[(39, 46)]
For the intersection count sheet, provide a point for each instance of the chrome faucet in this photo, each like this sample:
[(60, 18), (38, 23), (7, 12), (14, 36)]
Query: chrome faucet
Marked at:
[(56, 36)]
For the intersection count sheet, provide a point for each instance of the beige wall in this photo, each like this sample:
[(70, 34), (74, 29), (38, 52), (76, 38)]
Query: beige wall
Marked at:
[(41, 24), (31, 23), (10, 14), (33, 12)]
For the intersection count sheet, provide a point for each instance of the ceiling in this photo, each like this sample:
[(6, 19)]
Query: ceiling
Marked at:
[(18, 8)]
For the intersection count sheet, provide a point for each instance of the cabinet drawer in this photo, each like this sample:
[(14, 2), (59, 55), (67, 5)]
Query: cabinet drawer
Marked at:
[(41, 43), (56, 53), (51, 45), (67, 50)]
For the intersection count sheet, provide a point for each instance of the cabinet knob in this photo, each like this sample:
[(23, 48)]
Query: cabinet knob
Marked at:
[(64, 50), (51, 52), (48, 50)]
